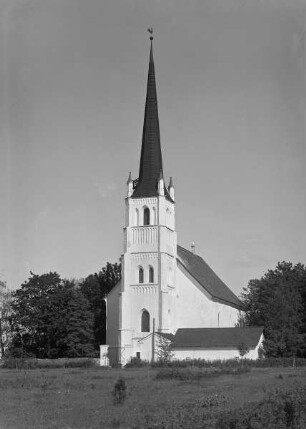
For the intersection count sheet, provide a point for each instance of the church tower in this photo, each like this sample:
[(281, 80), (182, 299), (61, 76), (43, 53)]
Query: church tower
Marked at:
[(164, 288), (150, 242)]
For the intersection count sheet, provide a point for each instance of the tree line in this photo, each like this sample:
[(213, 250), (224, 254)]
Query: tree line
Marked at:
[(277, 301), (51, 317)]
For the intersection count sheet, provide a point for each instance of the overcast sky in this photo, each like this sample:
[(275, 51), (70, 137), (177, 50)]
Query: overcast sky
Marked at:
[(231, 93)]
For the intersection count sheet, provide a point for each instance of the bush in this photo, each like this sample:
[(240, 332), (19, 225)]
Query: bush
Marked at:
[(196, 373), (21, 363), (278, 410), (81, 363), (119, 391), (179, 374), (136, 363), (232, 363)]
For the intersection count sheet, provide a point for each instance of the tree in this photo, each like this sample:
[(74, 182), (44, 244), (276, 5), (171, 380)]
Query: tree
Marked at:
[(164, 351), (51, 318), (32, 314), (95, 287), (277, 301), (5, 318), (72, 327), (243, 349)]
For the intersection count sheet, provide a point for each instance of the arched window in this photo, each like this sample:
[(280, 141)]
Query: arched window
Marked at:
[(146, 216), (151, 275), (145, 321), (140, 275)]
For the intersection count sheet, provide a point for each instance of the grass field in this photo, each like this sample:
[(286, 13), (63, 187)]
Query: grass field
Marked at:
[(81, 398)]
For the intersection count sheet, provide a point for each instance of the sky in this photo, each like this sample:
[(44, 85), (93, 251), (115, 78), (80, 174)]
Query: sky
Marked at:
[(231, 93)]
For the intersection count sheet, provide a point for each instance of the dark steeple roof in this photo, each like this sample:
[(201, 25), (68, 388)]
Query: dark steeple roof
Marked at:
[(151, 164)]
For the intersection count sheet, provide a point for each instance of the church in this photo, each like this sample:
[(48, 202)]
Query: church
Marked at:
[(166, 292)]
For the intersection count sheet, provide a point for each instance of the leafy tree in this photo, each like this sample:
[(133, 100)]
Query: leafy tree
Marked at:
[(32, 314), (277, 301), (51, 318), (164, 351), (72, 327), (243, 349), (95, 287), (5, 318)]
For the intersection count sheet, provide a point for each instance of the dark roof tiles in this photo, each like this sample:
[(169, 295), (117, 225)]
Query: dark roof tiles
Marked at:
[(166, 335), (217, 337), (201, 271), (151, 164)]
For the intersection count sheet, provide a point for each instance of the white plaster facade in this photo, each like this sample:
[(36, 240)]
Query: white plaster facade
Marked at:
[(203, 310), (172, 297), (149, 244)]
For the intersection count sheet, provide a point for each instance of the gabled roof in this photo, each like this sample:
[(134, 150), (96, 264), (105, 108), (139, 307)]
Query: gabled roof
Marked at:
[(217, 337), (165, 335), (207, 278), (151, 164)]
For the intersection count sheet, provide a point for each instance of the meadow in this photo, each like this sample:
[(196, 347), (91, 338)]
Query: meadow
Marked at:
[(75, 398)]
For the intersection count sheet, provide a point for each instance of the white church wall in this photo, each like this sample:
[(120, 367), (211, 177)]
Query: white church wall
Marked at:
[(144, 260), (210, 354), (135, 209), (144, 347), (143, 297), (194, 307), (112, 316)]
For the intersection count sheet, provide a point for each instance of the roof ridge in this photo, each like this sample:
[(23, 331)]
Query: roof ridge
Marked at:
[(198, 268)]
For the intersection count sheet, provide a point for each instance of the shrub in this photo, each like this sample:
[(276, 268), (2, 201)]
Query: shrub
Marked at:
[(213, 400), (278, 410), (136, 362), (233, 363), (173, 373), (178, 374), (21, 363), (119, 391), (81, 363)]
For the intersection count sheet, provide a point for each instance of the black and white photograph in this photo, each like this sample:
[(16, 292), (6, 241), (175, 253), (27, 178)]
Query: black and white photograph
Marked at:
[(153, 214)]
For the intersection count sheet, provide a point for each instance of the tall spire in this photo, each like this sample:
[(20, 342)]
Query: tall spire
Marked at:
[(151, 164)]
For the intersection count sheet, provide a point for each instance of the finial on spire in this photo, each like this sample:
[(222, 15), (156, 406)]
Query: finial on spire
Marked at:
[(129, 178), (150, 30), (129, 186)]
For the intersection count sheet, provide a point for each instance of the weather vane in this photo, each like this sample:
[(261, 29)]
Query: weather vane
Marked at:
[(150, 30)]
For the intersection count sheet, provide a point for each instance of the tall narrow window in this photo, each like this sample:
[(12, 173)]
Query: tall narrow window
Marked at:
[(140, 275), (146, 216), (151, 275), (145, 321)]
